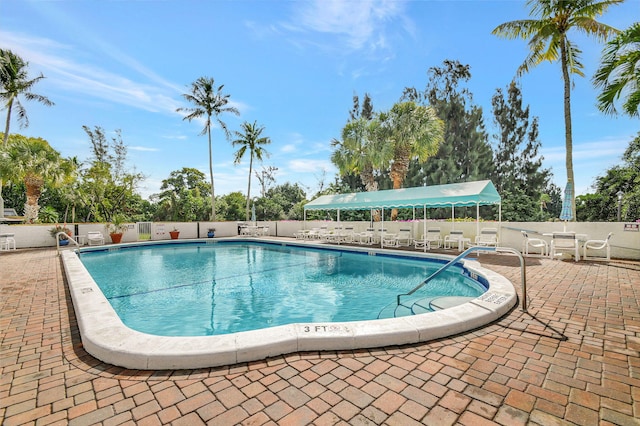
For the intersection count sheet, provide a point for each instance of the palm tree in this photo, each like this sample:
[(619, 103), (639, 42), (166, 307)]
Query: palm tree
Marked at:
[(208, 101), (33, 161), (548, 41), (414, 132), (358, 152), (619, 73), (250, 140), (14, 80)]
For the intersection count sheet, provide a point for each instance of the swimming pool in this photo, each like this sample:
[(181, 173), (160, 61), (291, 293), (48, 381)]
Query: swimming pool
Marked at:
[(211, 289), (106, 337)]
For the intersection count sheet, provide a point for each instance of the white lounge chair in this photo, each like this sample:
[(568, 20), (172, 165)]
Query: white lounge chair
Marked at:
[(534, 243), (347, 235), (564, 242), (301, 234), (488, 237), (455, 238), (598, 245), (423, 244), (434, 237), (366, 237), (403, 238), (388, 239), (95, 238)]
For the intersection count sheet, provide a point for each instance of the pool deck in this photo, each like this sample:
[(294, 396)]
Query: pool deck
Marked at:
[(574, 358)]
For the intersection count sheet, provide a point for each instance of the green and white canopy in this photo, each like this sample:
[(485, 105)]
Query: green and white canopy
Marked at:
[(452, 195)]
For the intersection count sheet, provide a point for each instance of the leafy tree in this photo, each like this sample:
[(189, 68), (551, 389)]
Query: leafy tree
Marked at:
[(518, 176), (548, 37), (252, 141), (270, 208), (208, 101), (619, 73), (290, 193), (625, 178), (233, 206), (34, 161), (365, 112), (280, 202), (184, 196), (465, 154), (107, 188)]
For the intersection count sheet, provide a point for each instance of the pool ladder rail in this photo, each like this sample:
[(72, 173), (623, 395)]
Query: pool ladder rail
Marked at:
[(422, 305), (70, 238)]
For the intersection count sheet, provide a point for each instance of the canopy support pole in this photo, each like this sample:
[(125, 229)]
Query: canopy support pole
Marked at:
[(453, 221), (382, 230), (477, 218), (424, 229), (500, 222)]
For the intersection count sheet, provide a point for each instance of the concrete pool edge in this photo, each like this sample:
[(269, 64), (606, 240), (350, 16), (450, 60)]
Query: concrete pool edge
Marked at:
[(105, 337)]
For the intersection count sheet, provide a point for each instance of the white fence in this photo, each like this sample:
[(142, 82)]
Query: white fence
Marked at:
[(625, 243)]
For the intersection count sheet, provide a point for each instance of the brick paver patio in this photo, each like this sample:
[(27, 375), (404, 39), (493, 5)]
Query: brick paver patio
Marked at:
[(572, 359)]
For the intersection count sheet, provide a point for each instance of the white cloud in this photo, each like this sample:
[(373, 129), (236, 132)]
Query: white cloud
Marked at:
[(306, 165), (361, 23), (142, 148), (289, 148)]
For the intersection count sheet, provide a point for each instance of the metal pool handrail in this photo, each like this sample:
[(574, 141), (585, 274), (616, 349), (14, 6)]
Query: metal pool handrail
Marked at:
[(465, 253), (68, 237)]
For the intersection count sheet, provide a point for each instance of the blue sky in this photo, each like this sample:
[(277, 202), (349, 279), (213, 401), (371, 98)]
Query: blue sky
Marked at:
[(292, 66)]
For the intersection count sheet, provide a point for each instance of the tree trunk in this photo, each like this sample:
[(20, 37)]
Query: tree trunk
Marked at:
[(213, 194), (33, 184), (398, 173), (6, 126), (249, 186), (567, 126)]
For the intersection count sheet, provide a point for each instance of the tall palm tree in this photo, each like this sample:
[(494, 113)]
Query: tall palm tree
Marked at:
[(414, 132), (250, 140), (548, 40), (619, 73), (34, 161), (15, 82), (208, 101)]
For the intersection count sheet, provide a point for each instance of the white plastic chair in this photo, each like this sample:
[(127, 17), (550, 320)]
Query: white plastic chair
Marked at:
[(388, 239), (423, 244), (453, 239), (488, 237), (598, 245), (534, 243), (403, 238), (7, 242), (434, 237), (95, 238), (366, 237), (564, 242)]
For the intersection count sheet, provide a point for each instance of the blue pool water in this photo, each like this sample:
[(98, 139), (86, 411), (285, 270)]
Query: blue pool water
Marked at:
[(197, 289)]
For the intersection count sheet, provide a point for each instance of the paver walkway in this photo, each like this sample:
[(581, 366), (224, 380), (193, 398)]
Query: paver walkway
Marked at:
[(572, 359)]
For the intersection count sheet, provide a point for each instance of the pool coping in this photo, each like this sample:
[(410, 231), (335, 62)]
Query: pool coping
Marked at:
[(105, 337)]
